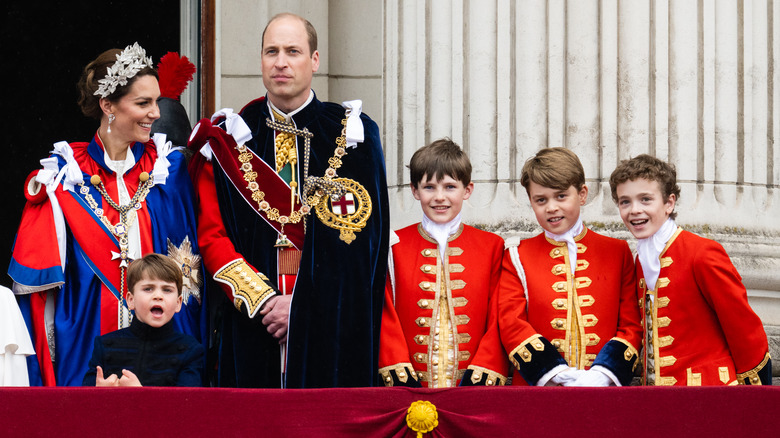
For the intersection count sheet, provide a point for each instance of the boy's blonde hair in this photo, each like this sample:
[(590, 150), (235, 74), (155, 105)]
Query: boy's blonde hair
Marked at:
[(555, 168), (154, 266), (441, 158), (650, 168)]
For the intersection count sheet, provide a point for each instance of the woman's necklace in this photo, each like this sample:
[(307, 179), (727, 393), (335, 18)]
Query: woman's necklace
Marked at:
[(121, 228)]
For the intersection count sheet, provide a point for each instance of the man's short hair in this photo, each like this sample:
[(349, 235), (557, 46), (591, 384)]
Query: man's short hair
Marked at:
[(310, 31), (650, 168), (441, 158), (154, 266), (556, 168)]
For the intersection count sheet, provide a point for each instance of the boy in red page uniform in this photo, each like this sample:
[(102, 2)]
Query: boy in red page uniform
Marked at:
[(568, 310), (699, 327), (439, 326)]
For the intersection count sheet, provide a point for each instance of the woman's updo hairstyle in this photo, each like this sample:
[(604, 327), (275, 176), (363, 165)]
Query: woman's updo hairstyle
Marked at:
[(96, 70)]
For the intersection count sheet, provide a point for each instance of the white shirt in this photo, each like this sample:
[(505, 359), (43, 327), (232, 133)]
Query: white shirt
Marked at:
[(649, 251), (441, 232), (568, 237)]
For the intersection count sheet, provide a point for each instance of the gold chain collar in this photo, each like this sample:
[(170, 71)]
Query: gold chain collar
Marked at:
[(315, 188)]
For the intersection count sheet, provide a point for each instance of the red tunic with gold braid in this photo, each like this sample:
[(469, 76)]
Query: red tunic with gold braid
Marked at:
[(589, 317), (700, 329), (440, 320)]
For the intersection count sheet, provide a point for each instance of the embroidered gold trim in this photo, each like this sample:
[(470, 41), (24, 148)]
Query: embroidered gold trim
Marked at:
[(427, 252), (664, 321), (582, 265), (559, 303), (557, 344), (666, 262), (426, 285), (402, 370), (558, 323), (428, 269), (586, 300), (462, 319), (662, 302), (665, 341), (630, 350), (666, 361), (456, 268), (661, 282), (457, 284), (723, 374), (522, 350), (424, 304), (666, 381), (693, 379), (459, 301), (462, 338), (422, 339), (249, 288), (591, 339), (454, 250), (559, 269), (583, 282), (752, 375), (463, 355), (589, 320), (423, 321), (559, 286), (493, 379), (421, 357)]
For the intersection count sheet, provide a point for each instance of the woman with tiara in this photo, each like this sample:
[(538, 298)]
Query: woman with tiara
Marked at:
[(93, 208)]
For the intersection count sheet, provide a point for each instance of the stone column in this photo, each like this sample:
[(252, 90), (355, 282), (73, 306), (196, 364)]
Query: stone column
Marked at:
[(689, 82)]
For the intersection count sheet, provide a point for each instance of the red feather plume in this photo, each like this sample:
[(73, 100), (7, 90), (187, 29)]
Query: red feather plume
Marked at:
[(175, 74)]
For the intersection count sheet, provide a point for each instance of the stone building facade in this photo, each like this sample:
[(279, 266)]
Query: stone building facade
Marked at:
[(690, 82)]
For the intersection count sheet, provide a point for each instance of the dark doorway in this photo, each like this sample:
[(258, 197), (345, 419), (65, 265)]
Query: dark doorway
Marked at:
[(43, 50)]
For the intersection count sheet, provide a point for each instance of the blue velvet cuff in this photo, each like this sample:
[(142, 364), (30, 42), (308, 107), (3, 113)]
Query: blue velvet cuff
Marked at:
[(620, 358), (535, 357)]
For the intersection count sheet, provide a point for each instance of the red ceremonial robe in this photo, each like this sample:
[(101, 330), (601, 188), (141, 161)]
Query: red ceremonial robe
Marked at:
[(431, 298), (701, 329), (586, 317)]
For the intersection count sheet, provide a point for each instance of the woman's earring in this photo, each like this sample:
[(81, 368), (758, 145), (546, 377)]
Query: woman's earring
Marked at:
[(111, 118)]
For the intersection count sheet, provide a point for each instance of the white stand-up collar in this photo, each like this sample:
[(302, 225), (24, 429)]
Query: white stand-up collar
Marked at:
[(441, 232), (649, 251), (288, 116), (568, 237)]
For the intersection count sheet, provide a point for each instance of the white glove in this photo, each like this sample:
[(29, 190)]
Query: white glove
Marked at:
[(591, 377), (566, 377)]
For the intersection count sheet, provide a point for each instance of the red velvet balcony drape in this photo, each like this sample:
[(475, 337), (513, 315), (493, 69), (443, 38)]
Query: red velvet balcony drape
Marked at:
[(380, 412)]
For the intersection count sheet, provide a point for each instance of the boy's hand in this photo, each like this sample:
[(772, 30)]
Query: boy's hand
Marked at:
[(276, 313), (112, 380), (129, 379), (566, 377)]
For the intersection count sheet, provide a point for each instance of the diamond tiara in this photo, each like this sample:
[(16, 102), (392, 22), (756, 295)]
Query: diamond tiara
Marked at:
[(128, 64)]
